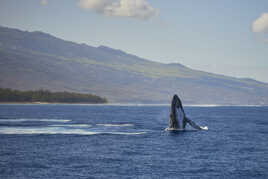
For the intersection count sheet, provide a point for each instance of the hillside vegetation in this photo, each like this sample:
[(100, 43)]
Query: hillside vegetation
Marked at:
[(9, 95), (36, 60)]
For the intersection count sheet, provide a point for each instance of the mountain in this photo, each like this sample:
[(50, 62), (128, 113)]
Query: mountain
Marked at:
[(36, 60)]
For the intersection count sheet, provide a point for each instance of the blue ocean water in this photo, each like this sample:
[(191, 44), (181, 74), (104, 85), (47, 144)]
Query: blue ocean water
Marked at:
[(87, 141)]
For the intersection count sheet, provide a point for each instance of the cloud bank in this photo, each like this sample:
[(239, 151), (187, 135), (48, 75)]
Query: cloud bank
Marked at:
[(261, 24), (139, 9)]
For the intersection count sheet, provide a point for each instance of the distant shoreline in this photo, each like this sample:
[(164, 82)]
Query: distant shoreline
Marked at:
[(47, 103), (129, 104)]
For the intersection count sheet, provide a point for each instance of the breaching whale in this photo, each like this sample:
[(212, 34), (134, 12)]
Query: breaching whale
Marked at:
[(178, 119)]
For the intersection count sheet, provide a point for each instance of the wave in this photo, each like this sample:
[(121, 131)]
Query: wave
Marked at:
[(115, 125), (222, 105), (112, 104), (71, 125), (59, 130), (42, 120)]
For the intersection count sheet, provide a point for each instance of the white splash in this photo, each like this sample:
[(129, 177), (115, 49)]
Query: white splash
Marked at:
[(204, 127), (176, 129), (173, 129)]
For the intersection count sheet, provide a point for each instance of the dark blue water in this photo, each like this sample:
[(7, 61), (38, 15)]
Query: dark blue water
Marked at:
[(83, 141)]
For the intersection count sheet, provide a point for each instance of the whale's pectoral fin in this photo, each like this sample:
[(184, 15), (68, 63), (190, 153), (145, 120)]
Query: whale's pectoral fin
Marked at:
[(193, 124)]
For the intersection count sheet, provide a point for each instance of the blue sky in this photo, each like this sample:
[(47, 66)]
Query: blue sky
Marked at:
[(225, 37)]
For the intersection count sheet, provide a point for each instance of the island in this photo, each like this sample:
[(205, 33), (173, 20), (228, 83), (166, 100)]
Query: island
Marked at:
[(45, 96)]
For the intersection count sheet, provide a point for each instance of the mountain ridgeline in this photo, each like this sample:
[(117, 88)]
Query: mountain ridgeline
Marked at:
[(36, 60)]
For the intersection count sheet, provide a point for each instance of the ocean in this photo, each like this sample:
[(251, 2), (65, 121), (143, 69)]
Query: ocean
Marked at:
[(121, 141)]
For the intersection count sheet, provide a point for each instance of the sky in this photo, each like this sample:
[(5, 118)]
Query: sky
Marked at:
[(220, 36)]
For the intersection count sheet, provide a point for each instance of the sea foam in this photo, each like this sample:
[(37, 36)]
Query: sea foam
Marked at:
[(58, 130), (41, 120), (115, 125)]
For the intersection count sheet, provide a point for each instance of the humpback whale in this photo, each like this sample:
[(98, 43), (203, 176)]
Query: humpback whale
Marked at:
[(178, 119)]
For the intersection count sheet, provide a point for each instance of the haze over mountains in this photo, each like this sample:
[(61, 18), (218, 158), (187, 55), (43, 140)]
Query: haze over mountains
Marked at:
[(36, 60)]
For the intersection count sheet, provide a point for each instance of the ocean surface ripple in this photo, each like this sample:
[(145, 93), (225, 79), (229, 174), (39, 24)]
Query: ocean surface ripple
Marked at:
[(94, 141)]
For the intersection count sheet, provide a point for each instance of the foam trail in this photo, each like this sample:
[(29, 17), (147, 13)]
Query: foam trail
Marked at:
[(42, 120), (71, 125), (58, 130), (115, 125)]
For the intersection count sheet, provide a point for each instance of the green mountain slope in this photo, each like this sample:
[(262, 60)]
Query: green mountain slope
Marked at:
[(35, 60)]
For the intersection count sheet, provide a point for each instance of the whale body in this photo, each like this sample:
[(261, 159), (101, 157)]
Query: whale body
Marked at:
[(178, 119)]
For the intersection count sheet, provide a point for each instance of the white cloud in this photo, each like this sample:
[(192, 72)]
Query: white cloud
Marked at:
[(44, 2), (261, 24), (140, 9)]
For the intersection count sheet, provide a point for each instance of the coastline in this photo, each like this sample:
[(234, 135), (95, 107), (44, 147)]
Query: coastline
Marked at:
[(130, 104), (47, 103)]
